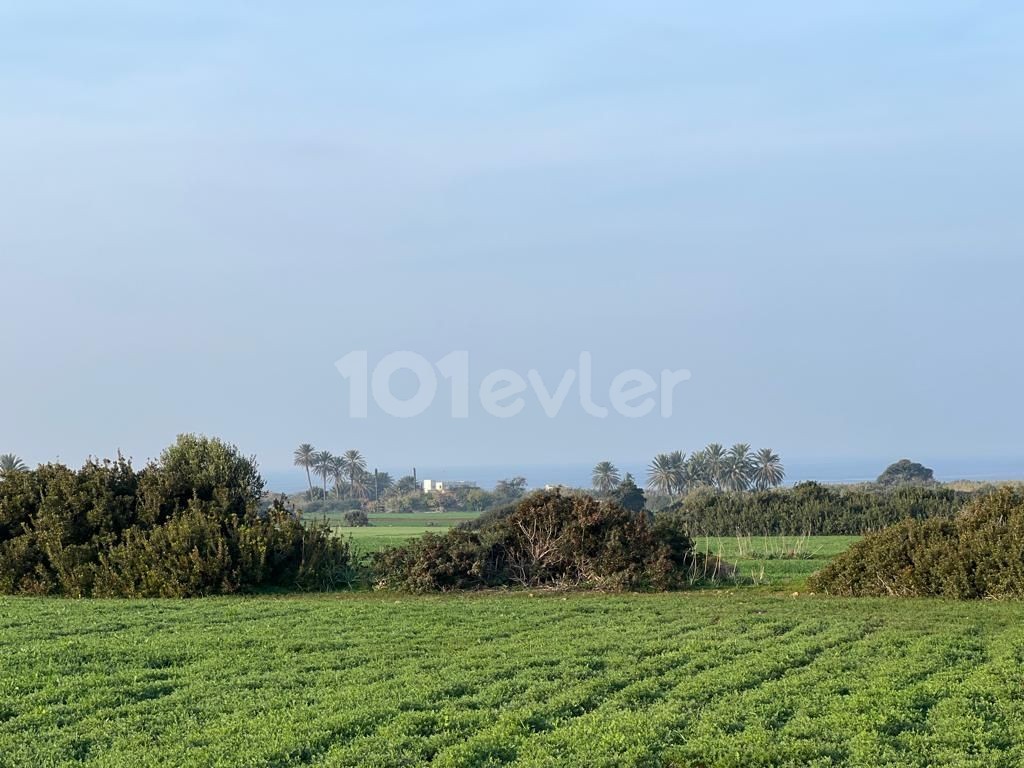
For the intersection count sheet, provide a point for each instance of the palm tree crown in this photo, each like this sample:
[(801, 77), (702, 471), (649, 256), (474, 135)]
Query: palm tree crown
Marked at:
[(605, 476), (714, 462), (356, 465), (768, 469), (338, 469), (739, 468), (323, 466), (304, 458), (9, 464), (665, 475)]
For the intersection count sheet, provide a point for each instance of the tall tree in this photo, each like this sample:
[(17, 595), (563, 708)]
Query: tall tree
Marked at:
[(9, 464), (406, 484), (356, 465), (696, 470), (739, 468), (359, 483), (714, 457), (383, 483), (509, 489), (677, 459), (768, 469), (304, 458), (338, 470), (605, 476), (323, 466), (628, 496), (665, 474)]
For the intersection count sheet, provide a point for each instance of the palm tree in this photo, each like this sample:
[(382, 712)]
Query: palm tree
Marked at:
[(359, 483), (338, 470), (696, 470), (714, 456), (383, 482), (323, 466), (9, 464), (739, 467), (665, 473), (678, 461), (605, 476), (356, 464), (768, 470), (304, 458)]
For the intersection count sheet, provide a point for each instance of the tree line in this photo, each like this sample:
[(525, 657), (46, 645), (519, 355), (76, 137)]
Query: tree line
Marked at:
[(343, 483), (674, 474), (347, 472), (810, 508)]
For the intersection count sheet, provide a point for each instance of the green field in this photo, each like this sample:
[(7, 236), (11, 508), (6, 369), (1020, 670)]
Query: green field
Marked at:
[(776, 560), (375, 538), (769, 560), (391, 529), (715, 678)]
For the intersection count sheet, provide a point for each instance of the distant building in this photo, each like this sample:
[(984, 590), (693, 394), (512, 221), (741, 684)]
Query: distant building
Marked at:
[(439, 486)]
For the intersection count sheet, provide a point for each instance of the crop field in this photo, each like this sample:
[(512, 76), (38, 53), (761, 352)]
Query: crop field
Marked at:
[(716, 678)]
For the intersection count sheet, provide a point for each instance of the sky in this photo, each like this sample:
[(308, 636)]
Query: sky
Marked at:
[(813, 208)]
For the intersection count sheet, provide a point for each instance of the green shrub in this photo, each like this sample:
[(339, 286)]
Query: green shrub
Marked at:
[(549, 539), (190, 524), (811, 509), (356, 518), (977, 554)]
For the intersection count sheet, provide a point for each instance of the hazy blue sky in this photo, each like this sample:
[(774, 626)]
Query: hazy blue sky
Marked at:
[(814, 207)]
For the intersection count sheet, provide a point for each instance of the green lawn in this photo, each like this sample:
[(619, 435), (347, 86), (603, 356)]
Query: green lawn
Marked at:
[(714, 678)]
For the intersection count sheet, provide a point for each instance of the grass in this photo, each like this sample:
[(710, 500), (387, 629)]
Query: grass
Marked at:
[(422, 518), (391, 529), (376, 538), (717, 678), (776, 560)]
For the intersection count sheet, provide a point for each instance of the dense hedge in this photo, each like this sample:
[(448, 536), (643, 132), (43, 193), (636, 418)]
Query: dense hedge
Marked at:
[(549, 539), (189, 524), (811, 508), (977, 554)]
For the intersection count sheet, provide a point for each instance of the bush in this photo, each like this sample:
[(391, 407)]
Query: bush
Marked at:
[(438, 563), (549, 539), (356, 518), (187, 525), (811, 509), (977, 554), (906, 471)]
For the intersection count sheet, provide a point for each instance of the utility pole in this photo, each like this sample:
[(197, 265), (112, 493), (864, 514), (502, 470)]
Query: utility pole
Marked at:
[(376, 489)]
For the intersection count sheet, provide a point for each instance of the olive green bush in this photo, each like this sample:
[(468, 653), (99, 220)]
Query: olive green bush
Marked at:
[(811, 509), (188, 524), (977, 554), (548, 539)]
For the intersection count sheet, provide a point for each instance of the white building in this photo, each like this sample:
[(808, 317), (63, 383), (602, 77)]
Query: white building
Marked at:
[(439, 486)]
